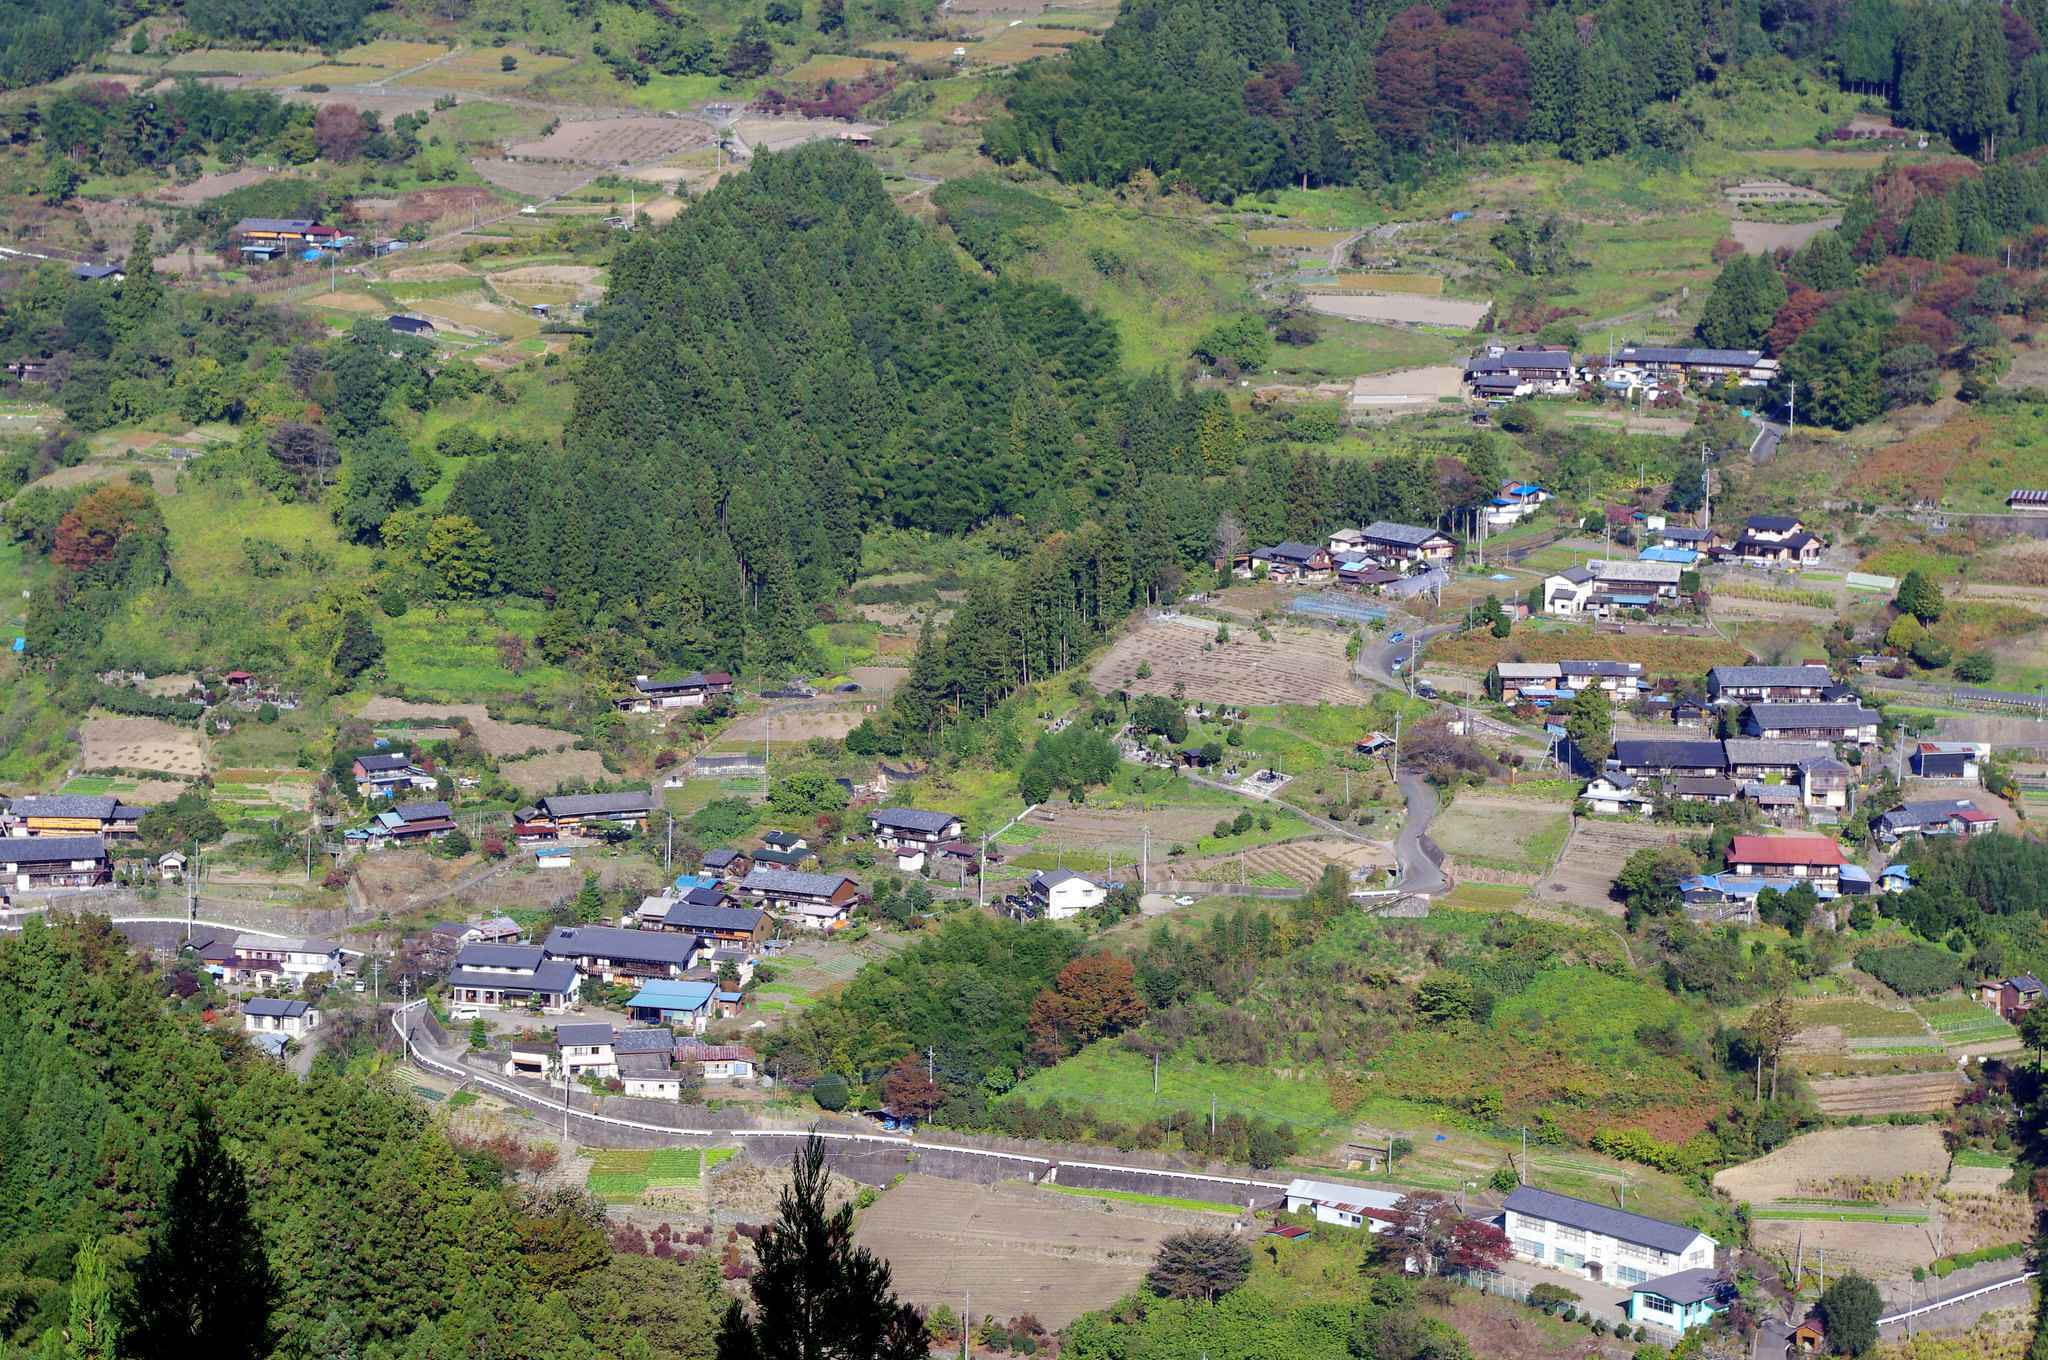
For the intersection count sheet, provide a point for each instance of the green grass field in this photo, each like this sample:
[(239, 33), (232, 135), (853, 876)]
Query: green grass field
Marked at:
[(1988, 1161), (1831, 1216), (1118, 1083), (450, 653), (622, 1175), (1133, 1197)]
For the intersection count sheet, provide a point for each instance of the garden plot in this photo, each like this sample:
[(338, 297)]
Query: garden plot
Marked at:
[(613, 141), (1016, 1251), (1585, 871), (499, 739), (1300, 666), (1294, 863), (482, 69), (140, 744), (1967, 1026), (792, 728), (531, 179), (1904, 1093), (780, 134)]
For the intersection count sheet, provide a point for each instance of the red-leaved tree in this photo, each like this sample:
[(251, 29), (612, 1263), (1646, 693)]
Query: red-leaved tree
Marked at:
[(909, 1091), (1432, 1235), (1094, 997)]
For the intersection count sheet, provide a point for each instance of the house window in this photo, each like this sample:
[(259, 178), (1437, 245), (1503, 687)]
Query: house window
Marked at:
[(1529, 1247), (1630, 1275), (1573, 1236), (1570, 1260), (1656, 1303)]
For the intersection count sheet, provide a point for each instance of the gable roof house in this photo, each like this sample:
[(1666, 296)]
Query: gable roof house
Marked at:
[(1776, 541), (413, 822), (609, 953), (1768, 684), (1404, 546), (381, 773), (1621, 681), (54, 862), (264, 1014), (571, 810), (1814, 858), (1935, 817), (410, 325), (1748, 367), (1605, 585), (726, 862), (1947, 760), (1612, 793), (1682, 1300), (586, 1049), (1291, 561), (1065, 894), (1537, 682), (1346, 1206), (688, 691), (1669, 756), (496, 975), (1599, 1242), (718, 922), (815, 901), (1520, 372), (1824, 783), (913, 833), (681, 1002), (70, 814), (1812, 722)]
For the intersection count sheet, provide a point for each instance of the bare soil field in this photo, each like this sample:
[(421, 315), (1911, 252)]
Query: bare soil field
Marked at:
[(1908, 1092), (385, 103), (1591, 859), (140, 744), (1098, 828), (1300, 665), (149, 792), (1402, 307), (613, 141), (530, 179), (579, 275), (1809, 1163), (500, 739), (347, 302), (1506, 832), (1407, 385), (1019, 1252), (543, 774), (772, 726), (213, 186), (434, 205), (1761, 237)]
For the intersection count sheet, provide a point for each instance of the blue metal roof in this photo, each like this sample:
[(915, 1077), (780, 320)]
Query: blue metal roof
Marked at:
[(672, 996)]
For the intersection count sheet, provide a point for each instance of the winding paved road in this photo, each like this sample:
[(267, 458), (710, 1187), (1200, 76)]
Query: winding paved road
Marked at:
[(1419, 873)]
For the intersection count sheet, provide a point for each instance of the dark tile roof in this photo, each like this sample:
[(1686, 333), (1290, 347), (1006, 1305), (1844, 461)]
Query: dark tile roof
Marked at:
[(556, 975), (424, 812), (596, 804), (65, 805), (527, 956), (1703, 1284), (1620, 670), (1671, 754), (718, 859), (642, 1041), (1809, 676), (384, 764), (50, 849), (268, 1005), (1599, 1218), (1833, 717), (598, 1033), (698, 916), (612, 942), (913, 819), (1406, 535), (1660, 354), (1772, 524), (787, 881)]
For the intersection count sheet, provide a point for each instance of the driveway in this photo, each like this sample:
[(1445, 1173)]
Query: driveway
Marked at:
[(1602, 1300)]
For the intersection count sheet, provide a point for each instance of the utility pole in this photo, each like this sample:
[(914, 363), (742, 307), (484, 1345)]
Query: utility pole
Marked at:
[(930, 1064), (1525, 1154), (1706, 491), (377, 981), (1212, 1114), (1155, 1074), (1791, 406), (1144, 858)]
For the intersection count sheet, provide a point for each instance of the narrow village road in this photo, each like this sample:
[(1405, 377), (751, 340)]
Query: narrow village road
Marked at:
[(1419, 872)]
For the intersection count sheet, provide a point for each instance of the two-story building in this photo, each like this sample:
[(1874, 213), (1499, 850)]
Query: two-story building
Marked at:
[(1597, 1242), (1406, 547), (1948, 760), (28, 862), (1817, 859), (814, 901), (501, 975), (1812, 722), (1620, 681), (572, 812), (385, 774), (721, 924), (1669, 756), (1767, 684), (1501, 373), (683, 691), (269, 1015), (409, 823), (912, 834), (1063, 894), (1824, 784), (2012, 997), (1610, 585), (1305, 563), (610, 954), (586, 1050), (1776, 541), (71, 814)]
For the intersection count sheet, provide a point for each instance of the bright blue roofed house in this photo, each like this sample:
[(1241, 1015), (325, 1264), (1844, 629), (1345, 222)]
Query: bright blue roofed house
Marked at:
[(1684, 557), (667, 1002)]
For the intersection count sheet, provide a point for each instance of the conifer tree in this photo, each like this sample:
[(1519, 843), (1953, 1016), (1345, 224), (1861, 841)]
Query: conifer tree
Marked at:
[(92, 1332), (204, 1286)]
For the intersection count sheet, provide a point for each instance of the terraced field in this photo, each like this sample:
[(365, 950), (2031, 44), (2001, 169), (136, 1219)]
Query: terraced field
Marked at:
[(1962, 1023), (1905, 1093), (1300, 666), (1297, 864)]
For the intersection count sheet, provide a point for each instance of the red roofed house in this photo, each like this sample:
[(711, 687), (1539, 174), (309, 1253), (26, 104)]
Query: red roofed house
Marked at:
[(1813, 857)]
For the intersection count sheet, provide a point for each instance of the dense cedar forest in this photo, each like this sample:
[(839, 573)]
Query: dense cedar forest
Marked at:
[(795, 360), (42, 39), (240, 1212), (1225, 96)]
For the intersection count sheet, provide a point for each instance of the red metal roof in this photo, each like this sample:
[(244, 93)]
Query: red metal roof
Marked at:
[(1785, 850)]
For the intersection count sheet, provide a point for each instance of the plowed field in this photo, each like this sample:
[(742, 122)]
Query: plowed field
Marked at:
[(1300, 666)]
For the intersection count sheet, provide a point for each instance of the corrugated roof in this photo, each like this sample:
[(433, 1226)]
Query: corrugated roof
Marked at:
[(1700, 1285), (672, 996), (50, 849), (612, 942), (65, 805), (1815, 677), (527, 956), (1784, 850), (270, 1005), (913, 819), (1599, 1218), (1830, 716), (596, 804), (1671, 753), (696, 916), (1404, 535)]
